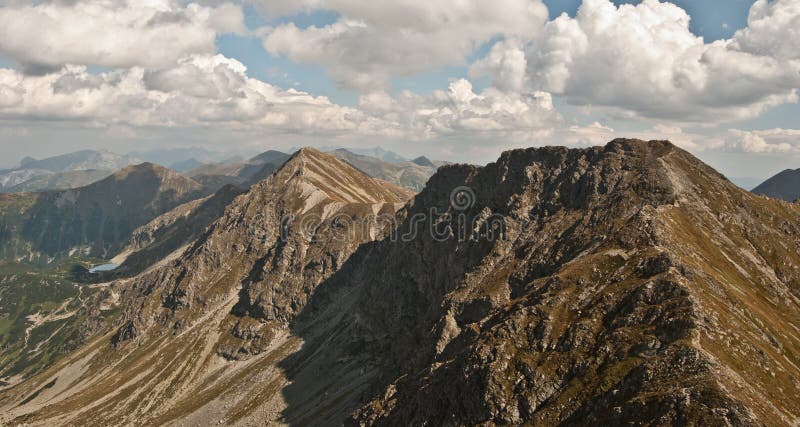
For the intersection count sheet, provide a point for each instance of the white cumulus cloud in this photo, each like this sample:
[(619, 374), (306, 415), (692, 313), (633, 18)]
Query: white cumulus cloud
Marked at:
[(202, 90), (461, 112), (46, 35), (372, 41), (775, 140), (644, 61), (506, 64)]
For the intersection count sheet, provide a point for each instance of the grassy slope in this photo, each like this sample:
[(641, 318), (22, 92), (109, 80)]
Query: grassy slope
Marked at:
[(42, 315)]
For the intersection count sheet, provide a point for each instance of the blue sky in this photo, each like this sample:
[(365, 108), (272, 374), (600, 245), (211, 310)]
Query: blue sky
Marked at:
[(455, 80)]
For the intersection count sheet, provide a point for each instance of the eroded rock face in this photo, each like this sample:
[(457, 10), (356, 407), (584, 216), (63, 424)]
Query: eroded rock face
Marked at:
[(268, 252), (609, 299)]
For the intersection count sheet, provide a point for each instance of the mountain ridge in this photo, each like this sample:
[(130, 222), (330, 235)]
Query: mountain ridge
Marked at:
[(94, 219), (84, 160), (629, 283)]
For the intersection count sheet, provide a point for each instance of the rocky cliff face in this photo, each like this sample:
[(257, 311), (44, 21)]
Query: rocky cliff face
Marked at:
[(624, 284), (633, 284)]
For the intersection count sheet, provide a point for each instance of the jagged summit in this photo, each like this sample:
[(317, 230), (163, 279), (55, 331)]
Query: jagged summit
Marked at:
[(626, 171), (269, 156)]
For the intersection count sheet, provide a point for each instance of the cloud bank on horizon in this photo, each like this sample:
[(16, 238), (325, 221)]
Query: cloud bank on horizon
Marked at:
[(136, 71)]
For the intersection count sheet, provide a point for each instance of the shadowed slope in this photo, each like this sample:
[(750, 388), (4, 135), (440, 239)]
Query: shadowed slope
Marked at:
[(634, 284), (95, 220)]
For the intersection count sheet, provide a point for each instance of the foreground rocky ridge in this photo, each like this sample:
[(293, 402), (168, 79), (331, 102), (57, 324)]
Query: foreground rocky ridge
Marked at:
[(628, 283), (635, 284)]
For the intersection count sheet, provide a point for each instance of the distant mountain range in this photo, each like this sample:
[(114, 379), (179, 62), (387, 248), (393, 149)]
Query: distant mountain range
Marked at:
[(181, 158), (410, 174), (65, 171), (376, 152), (210, 168)]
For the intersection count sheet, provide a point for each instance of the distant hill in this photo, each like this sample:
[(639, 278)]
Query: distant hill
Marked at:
[(186, 165), (241, 174), (380, 153), (785, 186), (423, 161), (171, 157), (85, 160), (95, 220), (61, 181)]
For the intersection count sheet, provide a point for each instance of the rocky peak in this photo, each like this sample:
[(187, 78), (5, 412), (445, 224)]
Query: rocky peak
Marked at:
[(423, 161), (269, 249), (337, 180), (626, 265)]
